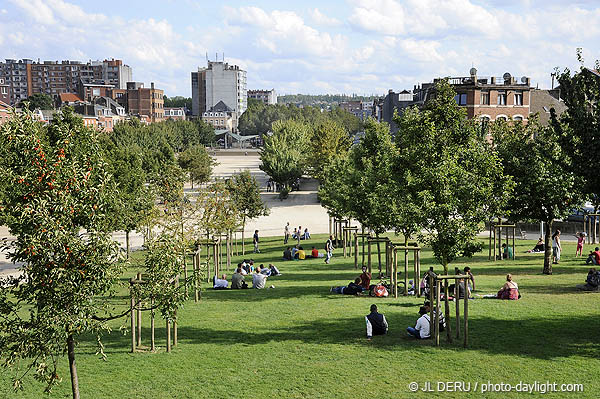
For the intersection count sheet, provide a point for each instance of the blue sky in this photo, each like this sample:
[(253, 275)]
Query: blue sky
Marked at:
[(341, 46)]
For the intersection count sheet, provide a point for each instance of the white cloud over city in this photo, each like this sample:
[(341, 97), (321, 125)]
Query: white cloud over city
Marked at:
[(354, 46)]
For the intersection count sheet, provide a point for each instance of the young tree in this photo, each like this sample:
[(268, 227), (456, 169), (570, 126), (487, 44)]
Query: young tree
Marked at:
[(283, 156), (57, 203), (244, 193), (458, 175), (546, 187), (198, 163), (326, 142)]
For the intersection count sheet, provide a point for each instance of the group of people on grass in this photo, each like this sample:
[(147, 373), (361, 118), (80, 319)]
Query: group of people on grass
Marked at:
[(259, 275), (298, 253), (298, 234)]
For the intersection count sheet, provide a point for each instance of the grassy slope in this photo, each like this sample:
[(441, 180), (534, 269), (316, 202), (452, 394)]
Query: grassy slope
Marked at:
[(299, 341)]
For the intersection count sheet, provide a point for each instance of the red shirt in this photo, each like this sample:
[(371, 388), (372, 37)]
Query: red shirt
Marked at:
[(365, 280), (315, 253), (597, 256)]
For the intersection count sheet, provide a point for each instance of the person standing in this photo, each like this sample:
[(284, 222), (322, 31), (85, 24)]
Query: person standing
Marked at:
[(329, 249), (255, 241), (299, 234), (556, 248), (286, 233), (376, 323), (580, 239)]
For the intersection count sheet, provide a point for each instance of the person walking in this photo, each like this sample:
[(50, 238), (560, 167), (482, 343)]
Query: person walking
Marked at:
[(255, 241), (329, 249), (286, 233)]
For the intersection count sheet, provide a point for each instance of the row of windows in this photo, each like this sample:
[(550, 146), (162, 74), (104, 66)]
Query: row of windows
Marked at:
[(215, 114), (220, 122), (486, 118), (484, 99)]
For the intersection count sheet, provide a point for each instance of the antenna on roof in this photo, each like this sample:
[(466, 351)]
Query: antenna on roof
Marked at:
[(223, 56), (207, 56)]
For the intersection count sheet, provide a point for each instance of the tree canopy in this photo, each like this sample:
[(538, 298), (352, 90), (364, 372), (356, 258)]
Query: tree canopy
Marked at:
[(37, 101)]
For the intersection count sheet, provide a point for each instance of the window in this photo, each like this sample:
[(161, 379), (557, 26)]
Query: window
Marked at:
[(519, 98), (485, 98), (517, 118), (460, 98), (4, 90), (502, 97)]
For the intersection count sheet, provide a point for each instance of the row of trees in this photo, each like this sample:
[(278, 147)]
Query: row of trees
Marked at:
[(259, 118), (64, 188)]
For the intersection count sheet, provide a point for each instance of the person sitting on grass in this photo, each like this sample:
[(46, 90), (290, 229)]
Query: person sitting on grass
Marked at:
[(220, 283), (365, 278), (593, 257), (441, 317), (421, 330), (314, 253), (592, 282), (376, 323), (539, 247), (237, 280), (287, 254), (306, 234), (258, 279), (274, 270), (510, 290), (353, 288), (507, 252), (301, 255), (294, 251)]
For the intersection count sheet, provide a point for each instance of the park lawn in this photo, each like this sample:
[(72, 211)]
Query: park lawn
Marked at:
[(299, 341)]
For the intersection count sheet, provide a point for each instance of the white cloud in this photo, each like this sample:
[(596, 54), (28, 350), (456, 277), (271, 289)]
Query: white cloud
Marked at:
[(321, 19)]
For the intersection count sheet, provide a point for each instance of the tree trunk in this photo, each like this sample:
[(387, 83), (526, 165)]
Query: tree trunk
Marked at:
[(127, 242), (72, 367), (243, 228), (548, 248)]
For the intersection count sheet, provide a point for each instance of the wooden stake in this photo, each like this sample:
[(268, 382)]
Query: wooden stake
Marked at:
[(466, 321), (152, 341), (457, 302), (168, 336), (369, 256), (437, 313), (175, 329), (139, 317), (133, 314)]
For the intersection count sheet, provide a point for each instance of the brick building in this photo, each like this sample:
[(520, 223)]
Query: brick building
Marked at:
[(145, 101), (4, 91)]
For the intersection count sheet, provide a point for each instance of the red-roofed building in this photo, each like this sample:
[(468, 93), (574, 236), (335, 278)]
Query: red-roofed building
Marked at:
[(68, 99)]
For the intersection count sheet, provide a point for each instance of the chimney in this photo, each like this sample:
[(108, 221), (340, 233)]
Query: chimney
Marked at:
[(152, 85), (493, 80)]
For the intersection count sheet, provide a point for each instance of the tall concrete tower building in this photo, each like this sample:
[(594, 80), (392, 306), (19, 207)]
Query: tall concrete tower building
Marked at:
[(219, 81)]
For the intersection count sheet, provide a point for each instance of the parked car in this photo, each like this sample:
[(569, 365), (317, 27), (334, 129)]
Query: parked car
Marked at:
[(578, 214)]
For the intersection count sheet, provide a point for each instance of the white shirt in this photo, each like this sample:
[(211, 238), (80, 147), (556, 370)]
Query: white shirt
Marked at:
[(423, 326), (258, 280), (219, 283)]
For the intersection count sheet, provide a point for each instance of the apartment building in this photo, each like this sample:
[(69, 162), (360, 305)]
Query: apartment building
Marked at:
[(26, 77), (268, 97), (4, 91), (219, 81), (177, 114), (147, 102)]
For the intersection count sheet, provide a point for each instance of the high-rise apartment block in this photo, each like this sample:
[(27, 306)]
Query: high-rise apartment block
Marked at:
[(219, 81), (26, 77), (268, 97), (145, 102), (4, 92)]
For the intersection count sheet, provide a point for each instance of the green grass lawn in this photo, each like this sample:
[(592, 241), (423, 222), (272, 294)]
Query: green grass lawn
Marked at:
[(299, 341)]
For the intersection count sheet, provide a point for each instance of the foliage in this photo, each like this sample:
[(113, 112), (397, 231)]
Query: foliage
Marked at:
[(197, 162), (178, 102), (259, 118), (321, 100), (457, 174), (37, 101), (283, 155), (546, 187), (220, 214), (59, 190), (335, 189), (580, 125), (328, 141)]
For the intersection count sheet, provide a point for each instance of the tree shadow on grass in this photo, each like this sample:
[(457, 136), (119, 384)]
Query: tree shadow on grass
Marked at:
[(538, 338)]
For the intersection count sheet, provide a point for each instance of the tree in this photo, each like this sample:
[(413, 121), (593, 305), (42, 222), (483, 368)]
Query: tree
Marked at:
[(580, 125), (546, 187), (244, 193), (178, 102), (284, 153), (133, 199), (197, 162), (59, 189), (458, 175), (38, 101), (327, 141)]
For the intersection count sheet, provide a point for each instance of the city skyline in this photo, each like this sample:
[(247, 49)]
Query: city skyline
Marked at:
[(354, 46)]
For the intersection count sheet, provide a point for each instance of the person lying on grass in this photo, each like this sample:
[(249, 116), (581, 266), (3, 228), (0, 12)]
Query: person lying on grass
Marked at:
[(353, 288), (269, 271), (376, 323), (421, 329)]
